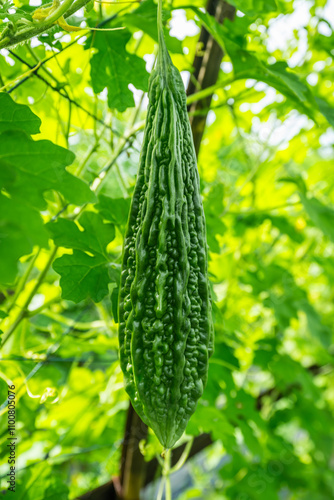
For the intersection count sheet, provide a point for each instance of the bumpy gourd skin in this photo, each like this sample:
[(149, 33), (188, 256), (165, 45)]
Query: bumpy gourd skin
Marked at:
[(165, 330)]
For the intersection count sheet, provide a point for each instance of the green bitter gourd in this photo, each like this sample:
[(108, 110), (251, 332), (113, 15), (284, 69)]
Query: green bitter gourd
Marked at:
[(165, 329)]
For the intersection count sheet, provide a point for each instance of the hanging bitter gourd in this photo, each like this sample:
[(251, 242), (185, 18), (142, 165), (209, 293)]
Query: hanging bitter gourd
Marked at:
[(165, 329)]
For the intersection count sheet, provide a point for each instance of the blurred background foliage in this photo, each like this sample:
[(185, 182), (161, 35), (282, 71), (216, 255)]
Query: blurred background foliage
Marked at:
[(267, 179)]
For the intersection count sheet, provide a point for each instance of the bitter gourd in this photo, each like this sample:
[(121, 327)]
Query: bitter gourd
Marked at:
[(165, 325)]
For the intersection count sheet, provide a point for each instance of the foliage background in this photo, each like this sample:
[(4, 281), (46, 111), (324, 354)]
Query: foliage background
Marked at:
[(67, 169)]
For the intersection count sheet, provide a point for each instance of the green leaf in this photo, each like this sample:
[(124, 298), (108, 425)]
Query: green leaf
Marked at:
[(29, 168), (321, 215), (255, 220), (144, 18), (82, 276), (326, 110), (112, 66), (115, 210), (317, 329), (89, 6), (213, 208), (21, 228), (287, 371), (41, 483), (225, 356), (277, 75), (256, 480), (14, 116), (94, 238), (246, 64), (250, 440), (295, 180), (210, 419), (254, 7)]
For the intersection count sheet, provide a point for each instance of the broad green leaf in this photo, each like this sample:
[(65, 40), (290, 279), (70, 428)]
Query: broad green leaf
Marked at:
[(257, 484), (210, 419), (316, 327), (266, 351), (21, 228), (250, 440), (115, 210), (145, 18), (253, 7), (277, 75), (41, 482), (326, 110), (82, 276), (255, 220), (29, 168), (286, 299), (94, 238), (320, 214), (14, 116), (112, 66), (288, 371), (295, 180), (225, 356), (213, 208), (90, 272), (247, 64)]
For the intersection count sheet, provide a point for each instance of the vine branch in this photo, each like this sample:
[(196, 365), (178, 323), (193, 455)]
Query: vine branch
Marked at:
[(63, 93), (66, 9), (24, 311)]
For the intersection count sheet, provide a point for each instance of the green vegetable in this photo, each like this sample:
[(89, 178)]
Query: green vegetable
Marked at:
[(165, 331)]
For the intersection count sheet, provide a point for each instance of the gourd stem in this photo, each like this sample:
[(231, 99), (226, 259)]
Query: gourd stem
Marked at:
[(163, 56), (161, 488), (57, 13), (167, 470), (183, 457), (160, 25), (24, 310), (23, 280), (168, 493)]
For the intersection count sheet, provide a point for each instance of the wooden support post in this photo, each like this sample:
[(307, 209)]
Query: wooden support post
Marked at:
[(206, 69)]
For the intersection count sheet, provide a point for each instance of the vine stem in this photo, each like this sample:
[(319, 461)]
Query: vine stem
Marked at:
[(24, 310), (165, 480), (167, 470), (183, 457), (96, 186), (23, 280), (90, 152), (163, 58), (66, 9), (62, 93), (161, 488), (160, 27), (57, 13)]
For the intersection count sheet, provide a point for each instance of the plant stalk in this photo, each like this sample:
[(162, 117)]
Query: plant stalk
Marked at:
[(24, 311)]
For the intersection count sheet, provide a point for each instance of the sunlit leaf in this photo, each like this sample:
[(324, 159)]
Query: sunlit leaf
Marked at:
[(15, 116), (94, 237), (112, 66), (29, 168), (82, 276)]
